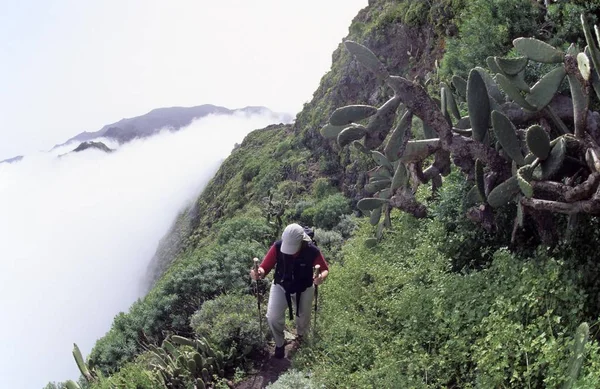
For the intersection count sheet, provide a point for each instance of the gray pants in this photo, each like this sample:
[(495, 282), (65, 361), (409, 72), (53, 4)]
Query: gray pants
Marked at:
[(277, 310)]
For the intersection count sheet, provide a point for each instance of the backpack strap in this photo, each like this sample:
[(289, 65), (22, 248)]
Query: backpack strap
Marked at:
[(288, 299)]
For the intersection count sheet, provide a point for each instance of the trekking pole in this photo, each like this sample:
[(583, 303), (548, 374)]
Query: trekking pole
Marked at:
[(258, 298), (317, 272)]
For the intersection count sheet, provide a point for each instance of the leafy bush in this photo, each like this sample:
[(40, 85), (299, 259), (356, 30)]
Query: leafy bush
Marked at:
[(330, 243), (487, 27), (244, 228), (231, 321), (328, 211), (346, 226), (199, 276), (411, 322), (321, 188), (293, 379), (131, 376)]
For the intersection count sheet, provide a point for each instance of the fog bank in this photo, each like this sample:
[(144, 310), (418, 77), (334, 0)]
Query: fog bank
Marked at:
[(78, 231)]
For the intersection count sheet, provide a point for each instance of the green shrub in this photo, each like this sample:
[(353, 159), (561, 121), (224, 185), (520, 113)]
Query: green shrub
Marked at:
[(131, 376), (321, 188), (231, 320), (346, 226), (307, 217), (487, 27), (199, 276), (409, 321), (330, 243), (250, 171), (328, 211), (244, 228)]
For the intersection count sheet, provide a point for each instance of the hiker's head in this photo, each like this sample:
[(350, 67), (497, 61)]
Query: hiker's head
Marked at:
[(292, 238)]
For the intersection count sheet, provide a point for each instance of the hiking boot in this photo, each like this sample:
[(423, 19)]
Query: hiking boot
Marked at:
[(279, 352)]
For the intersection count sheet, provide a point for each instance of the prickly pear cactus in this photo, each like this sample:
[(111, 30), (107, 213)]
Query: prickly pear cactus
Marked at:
[(182, 360), (518, 143)]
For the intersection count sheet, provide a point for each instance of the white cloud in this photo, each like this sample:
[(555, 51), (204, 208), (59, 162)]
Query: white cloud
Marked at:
[(70, 66), (78, 231)]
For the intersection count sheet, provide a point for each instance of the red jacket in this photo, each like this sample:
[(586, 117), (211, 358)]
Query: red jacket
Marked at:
[(270, 260)]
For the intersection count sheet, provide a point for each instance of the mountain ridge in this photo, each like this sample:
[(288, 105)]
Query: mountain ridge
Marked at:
[(157, 119)]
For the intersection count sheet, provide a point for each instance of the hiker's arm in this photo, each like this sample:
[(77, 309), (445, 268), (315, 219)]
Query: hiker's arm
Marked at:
[(319, 260), (267, 264)]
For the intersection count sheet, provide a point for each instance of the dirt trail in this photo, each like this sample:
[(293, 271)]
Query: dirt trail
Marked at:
[(271, 369)]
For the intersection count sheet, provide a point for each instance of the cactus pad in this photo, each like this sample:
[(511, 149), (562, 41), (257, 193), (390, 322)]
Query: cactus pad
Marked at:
[(538, 142), (460, 85), (513, 92), (503, 193), (395, 140), (511, 66), (544, 90), (554, 161), (331, 132), (370, 203), (351, 113), (506, 134), (366, 58), (349, 134), (478, 104), (400, 177), (538, 51)]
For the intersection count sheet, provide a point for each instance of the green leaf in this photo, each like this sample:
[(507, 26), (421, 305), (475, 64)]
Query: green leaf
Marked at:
[(371, 242), (473, 196), (523, 177), (492, 65), (492, 88), (593, 49), (375, 216)]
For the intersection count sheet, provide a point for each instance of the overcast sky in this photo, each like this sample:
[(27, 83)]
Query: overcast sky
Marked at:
[(69, 65)]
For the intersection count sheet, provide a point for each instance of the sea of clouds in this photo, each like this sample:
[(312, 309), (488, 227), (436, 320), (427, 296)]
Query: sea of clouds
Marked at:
[(78, 231)]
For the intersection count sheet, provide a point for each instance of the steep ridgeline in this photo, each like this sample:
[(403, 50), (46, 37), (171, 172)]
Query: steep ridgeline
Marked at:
[(278, 174), (420, 313), (411, 49)]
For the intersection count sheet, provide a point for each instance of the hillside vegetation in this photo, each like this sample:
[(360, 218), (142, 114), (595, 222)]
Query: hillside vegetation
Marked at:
[(435, 298)]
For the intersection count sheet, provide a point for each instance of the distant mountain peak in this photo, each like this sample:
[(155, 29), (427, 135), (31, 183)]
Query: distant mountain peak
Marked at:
[(152, 122), (157, 119)]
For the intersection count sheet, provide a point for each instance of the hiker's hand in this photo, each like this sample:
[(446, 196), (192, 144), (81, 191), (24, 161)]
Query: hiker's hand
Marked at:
[(257, 275), (318, 280)]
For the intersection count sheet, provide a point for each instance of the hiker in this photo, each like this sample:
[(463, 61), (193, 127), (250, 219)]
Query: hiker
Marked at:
[(293, 257)]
